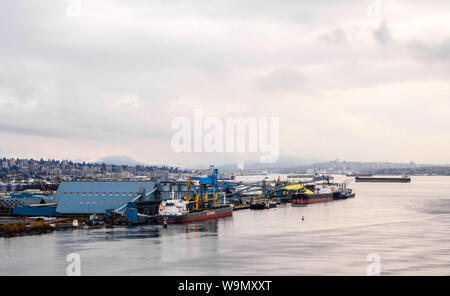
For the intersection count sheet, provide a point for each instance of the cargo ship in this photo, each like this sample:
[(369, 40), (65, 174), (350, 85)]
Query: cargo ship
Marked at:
[(304, 198), (177, 211), (404, 179), (315, 194)]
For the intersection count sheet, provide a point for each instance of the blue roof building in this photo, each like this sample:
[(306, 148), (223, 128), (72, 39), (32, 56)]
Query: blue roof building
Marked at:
[(35, 210), (99, 197)]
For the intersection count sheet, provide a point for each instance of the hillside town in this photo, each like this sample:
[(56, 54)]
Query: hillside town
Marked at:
[(19, 170)]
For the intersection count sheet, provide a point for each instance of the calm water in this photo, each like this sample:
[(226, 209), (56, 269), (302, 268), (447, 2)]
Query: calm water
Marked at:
[(407, 225)]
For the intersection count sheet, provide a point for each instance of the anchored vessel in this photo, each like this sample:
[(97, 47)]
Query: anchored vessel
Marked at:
[(404, 179)]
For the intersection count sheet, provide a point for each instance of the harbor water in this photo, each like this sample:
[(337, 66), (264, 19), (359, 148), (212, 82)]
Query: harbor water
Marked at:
[(406, 225)]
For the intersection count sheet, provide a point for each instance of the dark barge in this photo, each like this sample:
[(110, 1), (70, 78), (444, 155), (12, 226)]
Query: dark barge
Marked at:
[(404, 179), (305, 198)]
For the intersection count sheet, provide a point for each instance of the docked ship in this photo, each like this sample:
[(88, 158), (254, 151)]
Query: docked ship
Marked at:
[(177, 211), (316, 193), (403, 179)]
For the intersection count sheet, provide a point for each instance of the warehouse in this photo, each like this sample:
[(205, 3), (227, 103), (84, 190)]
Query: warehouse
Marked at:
[(100, 197)]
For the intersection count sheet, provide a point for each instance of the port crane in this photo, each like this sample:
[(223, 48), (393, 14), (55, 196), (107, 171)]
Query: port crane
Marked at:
[(205, 194)]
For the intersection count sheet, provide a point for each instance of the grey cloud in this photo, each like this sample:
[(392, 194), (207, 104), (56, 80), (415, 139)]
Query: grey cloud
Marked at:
[(382, 34), (334, 37), (178, 55), (89, 128), (440, 51), (286, 11), (282, 80), (12, 128)]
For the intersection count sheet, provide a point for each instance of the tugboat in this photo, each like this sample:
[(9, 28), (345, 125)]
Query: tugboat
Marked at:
[(272, 204), (258, 205), (344, 194)]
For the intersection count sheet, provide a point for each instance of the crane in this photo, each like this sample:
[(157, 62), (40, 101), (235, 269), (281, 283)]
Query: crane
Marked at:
[(188, 192)]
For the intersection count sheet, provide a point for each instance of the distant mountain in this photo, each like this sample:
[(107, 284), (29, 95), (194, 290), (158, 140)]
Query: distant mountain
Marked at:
[(119, 160), (288, 164), (283, 161)]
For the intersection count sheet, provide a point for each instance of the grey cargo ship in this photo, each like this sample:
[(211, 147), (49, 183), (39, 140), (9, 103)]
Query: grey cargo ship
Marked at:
[(404, 179)]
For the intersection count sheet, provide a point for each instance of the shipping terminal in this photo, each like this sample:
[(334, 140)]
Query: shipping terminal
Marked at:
[(105, 204)]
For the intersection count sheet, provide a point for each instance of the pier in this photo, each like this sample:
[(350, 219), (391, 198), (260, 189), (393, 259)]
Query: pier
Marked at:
[(88, 204)]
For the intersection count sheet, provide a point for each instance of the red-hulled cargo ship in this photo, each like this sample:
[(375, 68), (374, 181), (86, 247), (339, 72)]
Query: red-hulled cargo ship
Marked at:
[(176, 211), (315, 194), (305, 198)]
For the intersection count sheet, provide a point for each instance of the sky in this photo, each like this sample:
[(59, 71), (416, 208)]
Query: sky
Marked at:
[(362, 80)]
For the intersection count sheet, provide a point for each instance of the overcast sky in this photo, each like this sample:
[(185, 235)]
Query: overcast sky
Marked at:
[(346, 81)]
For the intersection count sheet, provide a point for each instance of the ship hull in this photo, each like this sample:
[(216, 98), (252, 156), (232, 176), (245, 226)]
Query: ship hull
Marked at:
[(344, 196), (258, 206), (311, 198), (201, 215), (383, 180)]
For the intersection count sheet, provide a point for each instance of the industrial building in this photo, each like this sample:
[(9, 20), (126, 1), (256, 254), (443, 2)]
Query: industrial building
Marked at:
[(86, 198), (100, 197), (23, 200), (135, 199)]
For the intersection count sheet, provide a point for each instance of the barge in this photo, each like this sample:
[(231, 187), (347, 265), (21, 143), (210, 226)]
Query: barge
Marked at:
[(241, 207), (263, 204), (404, 179), (258, 205)]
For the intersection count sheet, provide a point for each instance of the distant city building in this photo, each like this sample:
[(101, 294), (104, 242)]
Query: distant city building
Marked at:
[(66, 170)]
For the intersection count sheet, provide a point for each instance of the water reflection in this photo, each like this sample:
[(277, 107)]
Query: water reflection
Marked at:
[(437, 206), (206, 228)]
